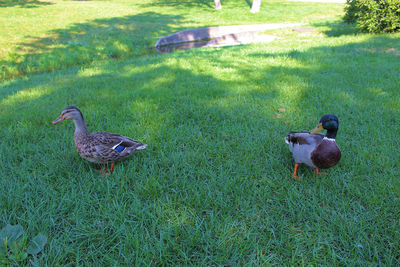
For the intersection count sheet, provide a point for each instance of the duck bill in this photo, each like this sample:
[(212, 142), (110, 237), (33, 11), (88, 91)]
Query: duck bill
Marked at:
[(58, 120), (317, 129)]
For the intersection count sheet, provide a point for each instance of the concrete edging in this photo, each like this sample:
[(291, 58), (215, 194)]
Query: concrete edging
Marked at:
[(215, 32)]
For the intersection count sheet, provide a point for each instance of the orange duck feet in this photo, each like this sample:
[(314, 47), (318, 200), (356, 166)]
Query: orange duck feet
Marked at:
[(296, 166), (320, 173), (103, 173)]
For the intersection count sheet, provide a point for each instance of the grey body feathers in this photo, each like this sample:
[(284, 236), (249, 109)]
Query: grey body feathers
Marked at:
[(302, 144)]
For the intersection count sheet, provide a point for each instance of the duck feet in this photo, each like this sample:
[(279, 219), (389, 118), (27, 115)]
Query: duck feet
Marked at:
[(112, 167), (103, 172), (296, 166), (319, 173)]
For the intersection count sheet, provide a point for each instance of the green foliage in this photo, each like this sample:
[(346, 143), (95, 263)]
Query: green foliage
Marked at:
[(374, 16), (10, 233), (14, 248), (37, 244)]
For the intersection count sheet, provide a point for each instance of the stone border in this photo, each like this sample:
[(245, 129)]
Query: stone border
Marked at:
[(217, 32)]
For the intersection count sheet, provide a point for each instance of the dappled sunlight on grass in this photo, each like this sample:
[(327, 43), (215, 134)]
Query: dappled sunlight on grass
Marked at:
[(91, 71), (214, 186), (177, 214), (24, 96), (98, 30), (83, 43), (24, 3)]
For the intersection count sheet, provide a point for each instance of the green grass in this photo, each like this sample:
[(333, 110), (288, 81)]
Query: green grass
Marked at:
[(81, 32), (214, 186)]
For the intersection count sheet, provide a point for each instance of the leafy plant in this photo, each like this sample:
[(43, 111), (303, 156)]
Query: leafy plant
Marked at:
[(14, 247), (374, 16)]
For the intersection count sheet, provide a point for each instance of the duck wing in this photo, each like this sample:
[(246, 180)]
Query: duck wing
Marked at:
[(111, 147), (302, 144), (304, 138), (110, 140)]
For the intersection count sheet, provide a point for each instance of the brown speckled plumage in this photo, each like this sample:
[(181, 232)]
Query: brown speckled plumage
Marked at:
[(98, 147)]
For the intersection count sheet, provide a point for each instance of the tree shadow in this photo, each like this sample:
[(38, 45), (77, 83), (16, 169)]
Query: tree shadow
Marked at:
[(83, 43), (206, 4), (337, 29), (24, 3), (297, 89), (183, 4), (215, 145), (361, 92)]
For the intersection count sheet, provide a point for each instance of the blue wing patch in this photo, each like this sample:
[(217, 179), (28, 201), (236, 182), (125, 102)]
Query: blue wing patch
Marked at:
[(119, 148)]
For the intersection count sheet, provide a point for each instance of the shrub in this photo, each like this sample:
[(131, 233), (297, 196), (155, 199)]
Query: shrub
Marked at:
[(374, 16)]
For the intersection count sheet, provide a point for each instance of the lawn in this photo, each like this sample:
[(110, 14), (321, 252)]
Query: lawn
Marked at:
[(80, 32), (214, 186)]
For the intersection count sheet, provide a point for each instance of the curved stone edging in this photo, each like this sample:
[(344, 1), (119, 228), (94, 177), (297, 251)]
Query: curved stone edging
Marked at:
[(216, 32)]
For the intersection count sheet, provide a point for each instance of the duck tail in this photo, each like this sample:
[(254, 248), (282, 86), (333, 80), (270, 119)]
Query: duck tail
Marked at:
[(141, 146), (287, 139)]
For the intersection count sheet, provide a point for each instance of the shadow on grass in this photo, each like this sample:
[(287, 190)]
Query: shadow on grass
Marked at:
[(82, 43), (338, 29), (215, 183), (196, 3), (23, 3), (184, 4), (379, 54)]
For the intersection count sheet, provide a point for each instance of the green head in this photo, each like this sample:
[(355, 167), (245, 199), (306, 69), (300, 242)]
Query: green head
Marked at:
[(330, 123)]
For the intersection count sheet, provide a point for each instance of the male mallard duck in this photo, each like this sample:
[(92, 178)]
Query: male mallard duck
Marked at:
[(316, 150), (98, 147)]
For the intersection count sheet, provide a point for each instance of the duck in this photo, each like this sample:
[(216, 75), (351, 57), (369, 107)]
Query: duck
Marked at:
[(98, 147), (313, 149)]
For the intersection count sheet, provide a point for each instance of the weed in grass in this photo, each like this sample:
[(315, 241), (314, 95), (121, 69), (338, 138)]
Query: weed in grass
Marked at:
[(14, 248)]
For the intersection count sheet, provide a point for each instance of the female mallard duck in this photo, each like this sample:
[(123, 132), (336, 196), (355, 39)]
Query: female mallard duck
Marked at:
[(98, 147), (316, 150)]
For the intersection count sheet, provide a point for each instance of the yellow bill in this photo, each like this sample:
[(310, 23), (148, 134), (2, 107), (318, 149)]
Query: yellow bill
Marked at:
[(317, 129)]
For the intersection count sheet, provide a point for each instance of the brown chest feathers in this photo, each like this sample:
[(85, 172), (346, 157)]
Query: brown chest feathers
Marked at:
[(326, 155), (85, 149)]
